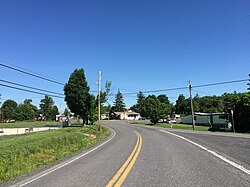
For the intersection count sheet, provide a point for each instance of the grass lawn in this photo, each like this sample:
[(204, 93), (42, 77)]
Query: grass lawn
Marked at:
[(175, 126), (27, 124), (24, 153)]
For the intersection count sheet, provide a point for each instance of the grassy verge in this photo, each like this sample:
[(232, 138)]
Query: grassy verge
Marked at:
[(24, 153), (183, 126), (175, 126), (28, 124)]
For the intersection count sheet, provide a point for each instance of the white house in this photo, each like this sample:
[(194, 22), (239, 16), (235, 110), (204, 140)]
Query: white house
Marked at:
[(127, 115), (219, 120)]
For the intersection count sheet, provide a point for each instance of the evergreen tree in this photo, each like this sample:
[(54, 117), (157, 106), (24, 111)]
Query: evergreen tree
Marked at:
[(138, 107), (119, 104)]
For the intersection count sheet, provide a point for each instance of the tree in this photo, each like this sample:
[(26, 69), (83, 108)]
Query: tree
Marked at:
[(47, 108), (77, 94), (138, 107), (9, 108), (66, 112), (152, 108), (26, 111), (119, 105), (241, 114), (92, 109), (181, 105), (104, 97)]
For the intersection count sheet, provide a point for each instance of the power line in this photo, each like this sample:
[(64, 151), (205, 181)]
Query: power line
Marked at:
[(31, 74), (31, 91), (186, 87), (28, 70), (219, 83), (153, 91), (30, 87)]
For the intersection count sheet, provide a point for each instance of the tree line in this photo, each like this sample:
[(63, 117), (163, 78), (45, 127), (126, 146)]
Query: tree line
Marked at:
[(27, 111)]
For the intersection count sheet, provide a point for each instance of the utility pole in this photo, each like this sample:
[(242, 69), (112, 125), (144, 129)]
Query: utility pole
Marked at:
[(99, 99), (191, 103)]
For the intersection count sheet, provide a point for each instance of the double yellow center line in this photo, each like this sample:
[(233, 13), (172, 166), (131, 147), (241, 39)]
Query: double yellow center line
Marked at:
[(123, 172)]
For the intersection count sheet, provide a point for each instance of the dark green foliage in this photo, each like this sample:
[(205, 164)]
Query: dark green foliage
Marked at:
[(119, 105), (182, 105), (152, 108), (138, 107), (77, 94), (239, 102), (92, 109), (26, 111), (242, 113), (47, 108), (9, 108)]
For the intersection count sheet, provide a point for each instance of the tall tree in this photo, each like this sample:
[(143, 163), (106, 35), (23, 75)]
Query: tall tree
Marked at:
[(181, 105), (77, 94), (138, 107), (47, 108), (152, 109), (9, 108), (119, 104)]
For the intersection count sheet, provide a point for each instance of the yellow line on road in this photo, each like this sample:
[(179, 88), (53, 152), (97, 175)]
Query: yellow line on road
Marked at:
[(127, 166)]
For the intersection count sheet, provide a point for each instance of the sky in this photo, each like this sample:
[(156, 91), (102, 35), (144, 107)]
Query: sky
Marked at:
[(139, 45)]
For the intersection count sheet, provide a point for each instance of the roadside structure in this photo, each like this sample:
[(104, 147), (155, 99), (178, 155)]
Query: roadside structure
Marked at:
[(127, 115), (216, 120)]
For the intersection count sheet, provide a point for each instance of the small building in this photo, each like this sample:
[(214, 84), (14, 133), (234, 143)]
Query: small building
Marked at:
[(127, 115), (216, 120), (61, 118)]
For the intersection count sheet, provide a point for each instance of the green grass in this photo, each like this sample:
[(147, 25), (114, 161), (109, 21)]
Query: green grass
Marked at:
[(24, 153), (27, 124), (183, 126), (174, 126)]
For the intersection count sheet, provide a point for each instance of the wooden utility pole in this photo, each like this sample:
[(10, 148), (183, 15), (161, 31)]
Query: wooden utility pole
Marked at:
[(99, 100), (191, 103)]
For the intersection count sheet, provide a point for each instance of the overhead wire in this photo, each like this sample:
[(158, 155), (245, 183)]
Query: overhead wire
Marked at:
[(13, 87), (17, 84), (34, 74), (186, 87)]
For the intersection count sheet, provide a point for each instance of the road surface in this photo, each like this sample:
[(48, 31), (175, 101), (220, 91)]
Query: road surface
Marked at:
[(137, 155)]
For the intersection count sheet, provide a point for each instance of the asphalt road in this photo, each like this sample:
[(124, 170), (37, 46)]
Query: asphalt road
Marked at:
[(165, 158)]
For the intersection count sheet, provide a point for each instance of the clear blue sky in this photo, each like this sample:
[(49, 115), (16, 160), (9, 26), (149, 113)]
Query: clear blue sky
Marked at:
[(137, 44)]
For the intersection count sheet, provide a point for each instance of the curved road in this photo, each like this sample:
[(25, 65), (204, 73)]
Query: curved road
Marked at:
[(147, 156)]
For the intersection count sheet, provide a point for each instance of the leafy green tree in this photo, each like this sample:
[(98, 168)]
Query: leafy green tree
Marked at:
[(77, 94), (138, 107), (9, 108), (26, 111), (47, 108), (119, 104), (163, 98), (92, 110), (55, 112), (181, 106), (152, 108), (242, 113)]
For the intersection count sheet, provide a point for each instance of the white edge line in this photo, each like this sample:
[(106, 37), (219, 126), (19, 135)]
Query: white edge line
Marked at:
[(64, 164), (242, 168)]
